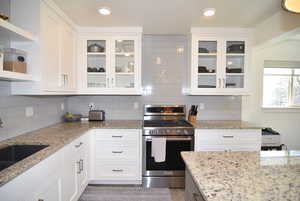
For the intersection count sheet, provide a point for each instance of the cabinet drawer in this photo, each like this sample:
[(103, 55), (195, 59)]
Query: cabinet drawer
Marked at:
[(228, 136), (116, 152), (117, 135), (116, 171)]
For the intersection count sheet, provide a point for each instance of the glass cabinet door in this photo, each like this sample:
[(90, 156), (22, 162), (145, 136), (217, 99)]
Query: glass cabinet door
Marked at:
[(207, 64), (124, 65), (235, 64), (97, 64)]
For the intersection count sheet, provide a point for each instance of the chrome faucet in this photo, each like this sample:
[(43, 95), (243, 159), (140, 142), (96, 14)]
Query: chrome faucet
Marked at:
[(1, 123)]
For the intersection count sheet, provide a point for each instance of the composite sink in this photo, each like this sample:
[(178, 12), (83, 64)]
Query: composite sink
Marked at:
[(14, 153)]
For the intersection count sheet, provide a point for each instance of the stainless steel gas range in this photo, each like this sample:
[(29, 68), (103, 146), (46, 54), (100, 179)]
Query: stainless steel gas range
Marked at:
[(168, 123)]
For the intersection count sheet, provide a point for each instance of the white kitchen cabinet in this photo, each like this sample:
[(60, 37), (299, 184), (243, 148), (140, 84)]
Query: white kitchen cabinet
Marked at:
[(227, 140), (75, 174), (61, 177), (113, 68), (219, 61), (116, 156), (41, 182), (52, 60)]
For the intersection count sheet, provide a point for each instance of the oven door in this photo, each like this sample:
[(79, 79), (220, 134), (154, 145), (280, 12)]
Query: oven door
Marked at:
[(173, 165)]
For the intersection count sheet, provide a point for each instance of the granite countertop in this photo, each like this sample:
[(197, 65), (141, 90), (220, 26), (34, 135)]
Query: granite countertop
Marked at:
[(224, 124), (56, 136), (246, 176)]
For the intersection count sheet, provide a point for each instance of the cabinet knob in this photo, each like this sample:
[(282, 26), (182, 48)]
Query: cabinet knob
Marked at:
[(40, 199)]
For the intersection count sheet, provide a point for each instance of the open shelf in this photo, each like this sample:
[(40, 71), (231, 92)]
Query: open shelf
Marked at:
[(13, 76), (15, 33)]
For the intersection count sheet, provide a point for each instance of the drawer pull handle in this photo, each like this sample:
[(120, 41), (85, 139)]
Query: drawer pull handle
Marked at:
[(119, 136), (79, 145), (79, 169), (228, 136), (117, 170), (117, 152)]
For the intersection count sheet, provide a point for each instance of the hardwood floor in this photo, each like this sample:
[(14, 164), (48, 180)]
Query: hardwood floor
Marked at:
[(177, 194)]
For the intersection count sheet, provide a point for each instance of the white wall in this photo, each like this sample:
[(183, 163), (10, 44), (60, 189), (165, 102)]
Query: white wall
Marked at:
[(281, 22), (285, 121)]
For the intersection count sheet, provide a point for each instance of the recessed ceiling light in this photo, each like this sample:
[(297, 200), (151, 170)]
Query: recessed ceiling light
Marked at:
[(209, 12), (104, 11)]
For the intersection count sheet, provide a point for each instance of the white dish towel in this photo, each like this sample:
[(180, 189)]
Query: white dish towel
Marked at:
[(158, 148)]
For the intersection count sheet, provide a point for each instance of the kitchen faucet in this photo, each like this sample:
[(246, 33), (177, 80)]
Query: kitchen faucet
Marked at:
[(1, 123)]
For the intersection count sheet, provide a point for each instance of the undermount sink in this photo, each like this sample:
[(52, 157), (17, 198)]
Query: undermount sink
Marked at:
[(12, 154)]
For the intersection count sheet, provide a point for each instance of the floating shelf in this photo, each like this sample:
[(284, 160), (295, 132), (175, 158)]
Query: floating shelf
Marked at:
[(13, 76), (15, 33)]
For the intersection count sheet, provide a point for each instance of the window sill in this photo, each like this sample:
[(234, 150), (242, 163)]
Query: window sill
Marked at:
[(281, 109)]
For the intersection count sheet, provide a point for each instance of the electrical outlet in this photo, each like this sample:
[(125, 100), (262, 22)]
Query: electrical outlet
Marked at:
[(158, 60), (136, 105), (29, 112), (62, 106), (201, 106)]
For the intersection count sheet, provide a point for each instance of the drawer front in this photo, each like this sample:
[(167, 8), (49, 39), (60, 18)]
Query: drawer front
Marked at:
[(116, 152), (117, 135), (117, 171), (227, 136)]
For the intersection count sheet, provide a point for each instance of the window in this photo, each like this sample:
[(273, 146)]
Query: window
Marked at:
[(281, 87)]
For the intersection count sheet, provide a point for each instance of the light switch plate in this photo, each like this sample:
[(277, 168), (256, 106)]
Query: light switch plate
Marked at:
[(201, 106), (62, 106), (29, 111)]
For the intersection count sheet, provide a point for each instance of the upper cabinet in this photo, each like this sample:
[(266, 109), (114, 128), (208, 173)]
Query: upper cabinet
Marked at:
[(110, 61), (52, 60), (219, 61)]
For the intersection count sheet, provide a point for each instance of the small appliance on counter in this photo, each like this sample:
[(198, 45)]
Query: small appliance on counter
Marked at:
[(96, 115), (270, 140)]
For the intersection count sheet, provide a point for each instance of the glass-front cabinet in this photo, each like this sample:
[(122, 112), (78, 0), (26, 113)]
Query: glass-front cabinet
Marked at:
[(218, 63), (110, 65)]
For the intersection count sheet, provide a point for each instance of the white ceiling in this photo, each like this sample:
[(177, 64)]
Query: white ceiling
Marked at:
[(169, 16)]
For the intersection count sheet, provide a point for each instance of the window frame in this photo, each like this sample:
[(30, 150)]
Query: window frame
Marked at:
[(291, 76)]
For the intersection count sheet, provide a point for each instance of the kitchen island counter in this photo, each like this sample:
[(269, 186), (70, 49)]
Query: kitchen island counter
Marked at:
[(224, 124), (245, 176)]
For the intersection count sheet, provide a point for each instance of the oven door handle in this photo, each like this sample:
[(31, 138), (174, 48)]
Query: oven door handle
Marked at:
[(172, 139)]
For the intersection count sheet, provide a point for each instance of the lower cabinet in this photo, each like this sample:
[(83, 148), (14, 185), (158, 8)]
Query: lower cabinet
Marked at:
[(75, 173), (61, 177), (191, 193), (227, 140), (116, 156)]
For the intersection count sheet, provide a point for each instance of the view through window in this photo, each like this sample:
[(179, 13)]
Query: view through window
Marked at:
[(281, 87)]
